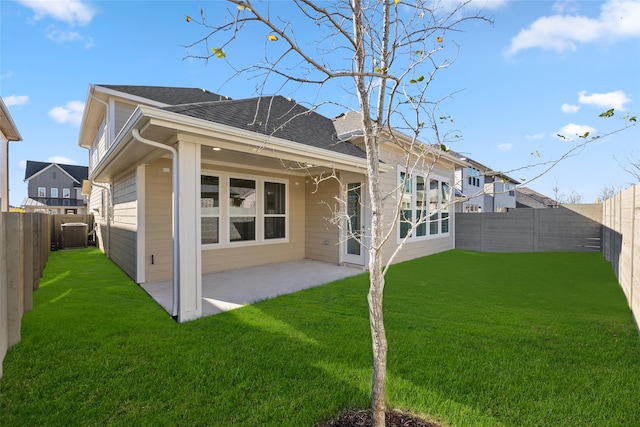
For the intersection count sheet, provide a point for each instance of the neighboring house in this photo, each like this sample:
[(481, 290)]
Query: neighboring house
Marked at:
[(55, 188), (528, 198), (8, 132), (500, 192), (481, 189), (470, 184), (187, 182)]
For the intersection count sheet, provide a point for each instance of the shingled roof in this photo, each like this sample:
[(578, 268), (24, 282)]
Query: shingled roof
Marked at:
[(275, 116), (169, 95), (79, 173)]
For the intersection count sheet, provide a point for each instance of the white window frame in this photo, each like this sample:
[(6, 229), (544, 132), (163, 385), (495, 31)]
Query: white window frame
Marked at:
[(54, 192), (414, 211), (214, 214), (273, 215), (224, 241), (66, 193), (42, 191)]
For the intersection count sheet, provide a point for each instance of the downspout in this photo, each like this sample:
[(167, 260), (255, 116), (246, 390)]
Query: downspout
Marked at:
[(176, 223), (106, 136)]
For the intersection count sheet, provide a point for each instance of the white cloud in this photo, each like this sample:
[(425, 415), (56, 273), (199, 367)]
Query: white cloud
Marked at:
[(74, 12), (535, 136), (505, 147), (618, 20), (22, 164), (614, 100), (569, 108), (61, 160), (60, 37), (70, 113), (572, 131), (565, 6), (488, 4), (15, 100)]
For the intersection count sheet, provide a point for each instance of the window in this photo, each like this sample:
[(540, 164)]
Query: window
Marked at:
[(406, 215), (242, 209), (444, 203), (42, 192), (425, 206), (434, 202), (473, 177), (472, 207), (210, 209), (274, 210), (66, 193), (54, 193), (245, 210)]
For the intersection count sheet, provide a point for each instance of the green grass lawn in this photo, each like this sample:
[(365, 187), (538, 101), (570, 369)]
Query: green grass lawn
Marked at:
[(542, 339)]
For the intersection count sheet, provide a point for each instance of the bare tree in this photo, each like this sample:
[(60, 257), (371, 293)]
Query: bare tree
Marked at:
[(560, 197), (632, 166), (387, 54), (607, 192), (384, 54)]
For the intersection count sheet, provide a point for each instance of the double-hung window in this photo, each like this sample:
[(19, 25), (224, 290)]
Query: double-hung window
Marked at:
[(210, 209), (241, 209), (42, 191), (425, 206), (275, 219), (66, 193), (54, 193)]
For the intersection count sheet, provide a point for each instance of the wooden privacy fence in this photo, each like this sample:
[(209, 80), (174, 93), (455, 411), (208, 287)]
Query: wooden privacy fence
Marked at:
[(25, 244), (621, 243)]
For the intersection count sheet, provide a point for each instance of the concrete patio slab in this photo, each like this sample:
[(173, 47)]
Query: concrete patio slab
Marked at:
[(232, 289)]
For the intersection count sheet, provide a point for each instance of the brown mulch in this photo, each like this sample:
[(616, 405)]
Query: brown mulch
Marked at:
[(393, 419)]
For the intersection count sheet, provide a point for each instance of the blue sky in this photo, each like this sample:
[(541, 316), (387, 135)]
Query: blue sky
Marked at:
[(544, 67)]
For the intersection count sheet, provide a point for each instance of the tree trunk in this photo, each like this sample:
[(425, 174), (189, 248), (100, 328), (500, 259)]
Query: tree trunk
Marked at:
[(376, 278), (378, 336)]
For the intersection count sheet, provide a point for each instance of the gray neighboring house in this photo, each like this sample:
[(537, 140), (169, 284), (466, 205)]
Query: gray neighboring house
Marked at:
[(480, 189), (55, 188)]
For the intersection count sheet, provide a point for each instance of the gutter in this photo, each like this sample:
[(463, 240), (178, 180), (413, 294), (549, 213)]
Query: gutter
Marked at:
[(176, 223)]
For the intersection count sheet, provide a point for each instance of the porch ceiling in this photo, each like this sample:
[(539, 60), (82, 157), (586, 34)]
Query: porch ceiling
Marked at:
[(242, 148)]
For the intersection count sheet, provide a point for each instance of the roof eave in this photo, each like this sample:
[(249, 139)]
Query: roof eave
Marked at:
[(8, 126)]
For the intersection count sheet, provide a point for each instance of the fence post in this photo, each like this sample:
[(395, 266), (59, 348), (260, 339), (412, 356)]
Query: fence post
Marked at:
[(4, 306), (15, 277), (27, 250)]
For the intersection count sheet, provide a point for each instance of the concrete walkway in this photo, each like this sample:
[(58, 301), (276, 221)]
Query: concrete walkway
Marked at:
[(231, 289)]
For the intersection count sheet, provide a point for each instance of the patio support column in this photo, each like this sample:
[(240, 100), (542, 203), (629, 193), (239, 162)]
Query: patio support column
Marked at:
[(190, 256)]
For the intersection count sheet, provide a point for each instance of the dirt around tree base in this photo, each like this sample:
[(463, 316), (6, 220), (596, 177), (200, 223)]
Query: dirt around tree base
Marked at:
[(393, 419)]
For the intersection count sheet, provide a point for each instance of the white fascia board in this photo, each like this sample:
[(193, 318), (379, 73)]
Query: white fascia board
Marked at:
[(138, 100)]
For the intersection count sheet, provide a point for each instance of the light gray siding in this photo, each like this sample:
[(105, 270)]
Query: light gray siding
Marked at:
[(122, 113)]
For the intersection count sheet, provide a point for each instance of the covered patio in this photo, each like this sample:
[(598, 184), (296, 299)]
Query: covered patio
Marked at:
[(227, 290)]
